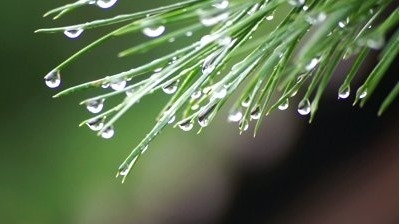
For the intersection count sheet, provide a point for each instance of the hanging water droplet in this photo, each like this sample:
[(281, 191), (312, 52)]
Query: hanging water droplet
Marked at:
[(243, 125), (246, 102), (171, 120), (73, 33), (210, 19), (342, 24), (363, 92), (311, 65), (209, 63), (344, 92), (376, 42), (153, 31), (255, 114), (96, 124), (222, 4), (284, 105), (171, 87), (204, 115), (220, 93), (95, 106), (105, 4), (108, 133), (105, 85), (196, 94), (235, 116), (118, 85), (304, 107), (125, 168), (207, 90), (186, 125), (316, 18), (296, 3), (53, 79)]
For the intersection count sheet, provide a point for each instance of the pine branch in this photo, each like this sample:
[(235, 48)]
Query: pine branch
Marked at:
[(302, 51)]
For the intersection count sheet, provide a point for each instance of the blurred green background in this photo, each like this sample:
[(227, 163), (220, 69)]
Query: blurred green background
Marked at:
[(54, 172)]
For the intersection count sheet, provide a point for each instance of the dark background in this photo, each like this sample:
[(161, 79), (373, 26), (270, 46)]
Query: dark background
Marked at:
[(342, 168)]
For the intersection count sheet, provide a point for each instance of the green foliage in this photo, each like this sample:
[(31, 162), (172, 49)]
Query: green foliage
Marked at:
[(243, 52)]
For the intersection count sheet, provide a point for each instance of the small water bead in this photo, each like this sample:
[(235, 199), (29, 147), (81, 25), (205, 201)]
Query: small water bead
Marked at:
[(195, 107), (243, 125), (363, 93), (220, 93), (270, 17), (196, 94), (246, 102), (305, 8), (204, 115), (312, 64), (153, 31), (316, 19), (255, 114), (209, 19), (53, 79), (284, 105), (189, 33), (206, 39), (171, 120), (108, 133), (171, 87), (124, 170), (344, 23), (105, 4), (171, 40), (222, 4), (95, 106), (296, 3), (105, 85), (118, 85), (209, 63), (225, 41), (186, 125), (129, 92), (73, 33), (144, 149), (207, 90), (376, 42), (96, 124), (235, 116), (304, 107), (344, 93)]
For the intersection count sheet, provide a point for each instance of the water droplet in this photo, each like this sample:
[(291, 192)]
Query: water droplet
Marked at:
[(73, 33), (344, 93), (129, 92), (209, 63), (376, 42), (144, 149), (311, 65), (362, 92), (284, 105), (344, 23), (220, 93), (105, 85), (255, 114), (171, 87), (108, 133), (186, 125), (105, 4), (195, 107), (235, 116), (96, 124), (222, 4), (270, 17), (125, 168), (204, 115), (243, 125), (95, 106), (118, 85), (196, 94), (246, 102), (53, 79), (225, 41), (304, 107), (305, 8), (296, 3), (171, 40), (210, 19), (154, 31), (189, 33), (171, 120), (316, 18)]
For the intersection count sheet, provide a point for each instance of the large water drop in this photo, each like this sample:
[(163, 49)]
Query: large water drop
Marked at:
[(73, 33), (95, 106), (105, 4), (304, 107), (108, 133), (154, 31), (53, 79)]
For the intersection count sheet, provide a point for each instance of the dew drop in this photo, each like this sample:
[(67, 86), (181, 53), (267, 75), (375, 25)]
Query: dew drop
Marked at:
[(210, 19), (195, 107), (144, 149), (189, 33), (186, 125), (363, 93), (73, 33), (125, 168), (220, 93), (270, 17), (376, 42), (223, 4), (311, 65), (196, 94), (171, 120), (96, 124), (171, 87), (246, 102), (235, 116), (129, 92), (304, 107), (316, 19), (225, 41), (296, 3), (53, 79), (243, 125), (105, 85), (105, 4), (344, 93), (255, 114), (118, 85), (154, 31), (344, 23), (95, 106), (284, 105), (108, 133), (209, 63), (204, 116)]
